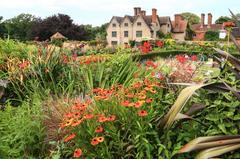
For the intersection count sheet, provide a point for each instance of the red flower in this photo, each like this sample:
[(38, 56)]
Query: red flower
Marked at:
[(159, 43), (146, 47), (77, 153), (181, 58), (70, 137), (99, 129), (142, 113), (194, 58), (24, 64)]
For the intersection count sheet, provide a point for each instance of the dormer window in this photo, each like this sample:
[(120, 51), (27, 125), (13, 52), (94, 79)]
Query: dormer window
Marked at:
[(126, 24), (139, 23), (114, 25)]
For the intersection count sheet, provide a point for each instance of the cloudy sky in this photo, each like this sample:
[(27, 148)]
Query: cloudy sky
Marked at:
[(97, 12)]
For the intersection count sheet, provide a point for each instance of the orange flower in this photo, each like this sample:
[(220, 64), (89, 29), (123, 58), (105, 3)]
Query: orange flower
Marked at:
[(139, 103), (88, 116), (153, 91), (149, 100), (112, 118), (141, 96), (94, 141), (148, 88), (77, 153), (142, 113), (70, 137), (68, 123), (68, 115), (76, 123), (99, 129), (102, 119), (125, 103), (100, 139), (77, 114), (130, 95)]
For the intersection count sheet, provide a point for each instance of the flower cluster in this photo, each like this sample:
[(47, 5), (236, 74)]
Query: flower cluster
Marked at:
[(79, 113), (160, 43), (146, 47), (184, 58), (24, 64), (91, 59)]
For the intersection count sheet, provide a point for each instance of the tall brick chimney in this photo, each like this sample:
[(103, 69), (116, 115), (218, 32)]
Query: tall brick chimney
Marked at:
[(202, 20), (209, 20), (143, 12), (135, 11), (154, 15), (178, 19), (138, 11)]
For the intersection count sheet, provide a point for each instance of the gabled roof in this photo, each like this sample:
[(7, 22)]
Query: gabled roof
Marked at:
[(164, 19), (57, 35), (147, 19), (119, 19), (181, 27), (197, 27)]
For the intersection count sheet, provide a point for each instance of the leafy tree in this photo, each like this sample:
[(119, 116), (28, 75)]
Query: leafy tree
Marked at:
[(44, 29), (20, 26), (211, 35), (100, 32), (2, 28), (222, 19), (191, 17)]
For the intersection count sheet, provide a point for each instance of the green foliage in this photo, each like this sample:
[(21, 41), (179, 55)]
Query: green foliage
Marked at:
[(211, 35), (57, 42), (223, 19), (161, 35), (191, 17), (22, 130), (20, 26)]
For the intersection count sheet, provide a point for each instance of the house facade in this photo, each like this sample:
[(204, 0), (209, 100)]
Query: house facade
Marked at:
[(137, 27), (201, 28)]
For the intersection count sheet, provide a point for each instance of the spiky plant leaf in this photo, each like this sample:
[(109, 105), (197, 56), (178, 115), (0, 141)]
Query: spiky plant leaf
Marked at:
[(217, 151), (179, 104), (210, 142)]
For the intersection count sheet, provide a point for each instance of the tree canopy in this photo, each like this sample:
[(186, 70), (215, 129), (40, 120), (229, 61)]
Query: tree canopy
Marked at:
[(222, 19), (28, 27), (20, 26), (191, 17)]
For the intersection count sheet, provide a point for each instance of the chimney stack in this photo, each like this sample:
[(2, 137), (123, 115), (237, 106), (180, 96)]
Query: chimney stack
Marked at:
[(135, 11), (154, 15), (138, 11), (202, 20), (143, 12), (178, 19), (209, 20)]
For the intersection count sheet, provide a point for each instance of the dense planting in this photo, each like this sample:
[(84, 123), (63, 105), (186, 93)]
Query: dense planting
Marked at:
[(57, 104)]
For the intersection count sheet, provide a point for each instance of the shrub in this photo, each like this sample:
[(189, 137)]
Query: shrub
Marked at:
[(22, 131), (211, 36)]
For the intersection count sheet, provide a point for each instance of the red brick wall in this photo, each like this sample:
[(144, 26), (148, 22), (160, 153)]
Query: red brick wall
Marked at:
[(199, 36)]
